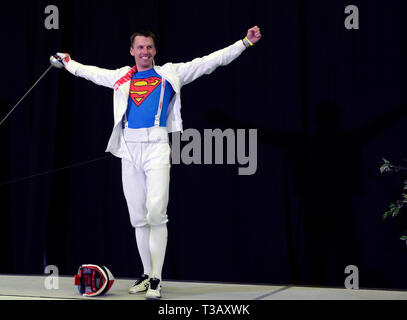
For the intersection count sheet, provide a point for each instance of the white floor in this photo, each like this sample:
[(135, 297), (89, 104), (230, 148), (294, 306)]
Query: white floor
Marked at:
[(33, 288)]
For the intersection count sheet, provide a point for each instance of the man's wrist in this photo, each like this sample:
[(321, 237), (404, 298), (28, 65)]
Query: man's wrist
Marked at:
[(247, 43)]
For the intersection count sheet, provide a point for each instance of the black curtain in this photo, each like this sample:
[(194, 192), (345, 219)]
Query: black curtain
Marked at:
[(328, 104)]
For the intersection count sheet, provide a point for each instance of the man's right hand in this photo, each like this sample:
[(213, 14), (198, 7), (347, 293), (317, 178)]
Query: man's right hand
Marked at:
[(64, 57)]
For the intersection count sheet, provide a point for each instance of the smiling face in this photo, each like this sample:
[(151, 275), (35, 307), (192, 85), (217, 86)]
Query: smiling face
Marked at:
[(143, 51)]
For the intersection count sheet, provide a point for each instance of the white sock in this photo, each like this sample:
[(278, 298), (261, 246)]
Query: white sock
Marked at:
[(158, 245), (143, 245)]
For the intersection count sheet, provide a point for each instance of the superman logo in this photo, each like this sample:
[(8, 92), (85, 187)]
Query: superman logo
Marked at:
[(140, 89)]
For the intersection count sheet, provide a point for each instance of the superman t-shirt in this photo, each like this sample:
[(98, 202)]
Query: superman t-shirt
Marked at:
[(144, 96)]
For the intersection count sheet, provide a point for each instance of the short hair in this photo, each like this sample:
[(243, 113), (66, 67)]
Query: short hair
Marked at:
[(144, 33)]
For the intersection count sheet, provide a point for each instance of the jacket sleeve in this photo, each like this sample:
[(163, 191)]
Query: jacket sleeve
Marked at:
[(99, 76), (190, 71)]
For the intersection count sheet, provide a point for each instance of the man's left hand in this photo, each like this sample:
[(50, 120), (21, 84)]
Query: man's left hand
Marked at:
[(254, 34)]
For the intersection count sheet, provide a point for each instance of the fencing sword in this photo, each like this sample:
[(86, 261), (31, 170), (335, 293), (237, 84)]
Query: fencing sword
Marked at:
[(56, 62)]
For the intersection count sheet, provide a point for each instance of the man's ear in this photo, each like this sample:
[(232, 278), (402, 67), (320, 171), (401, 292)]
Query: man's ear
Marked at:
[(132, 51)]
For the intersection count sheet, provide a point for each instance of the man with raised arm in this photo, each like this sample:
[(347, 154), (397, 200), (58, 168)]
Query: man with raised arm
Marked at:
[(146, 107)]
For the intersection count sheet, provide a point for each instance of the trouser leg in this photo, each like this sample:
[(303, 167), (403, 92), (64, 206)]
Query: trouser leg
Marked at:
[(146, 188), (157, 194), (134, 187), (157, 186), (146, 184)]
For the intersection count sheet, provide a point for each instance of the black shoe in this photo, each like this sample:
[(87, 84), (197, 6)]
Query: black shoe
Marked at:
[(154, 290), (141, 284)]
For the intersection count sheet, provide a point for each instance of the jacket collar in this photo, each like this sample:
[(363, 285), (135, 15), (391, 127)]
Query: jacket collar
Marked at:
[(125, 78)]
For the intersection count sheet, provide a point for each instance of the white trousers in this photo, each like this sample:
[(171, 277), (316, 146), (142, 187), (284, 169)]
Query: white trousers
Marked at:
[(146, 178)]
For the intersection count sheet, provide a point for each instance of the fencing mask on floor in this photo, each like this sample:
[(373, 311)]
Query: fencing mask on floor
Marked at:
[(93, 280)]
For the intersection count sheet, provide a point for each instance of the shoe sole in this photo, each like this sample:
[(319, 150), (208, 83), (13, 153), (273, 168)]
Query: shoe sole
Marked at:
[(134, 292), (151, 296)]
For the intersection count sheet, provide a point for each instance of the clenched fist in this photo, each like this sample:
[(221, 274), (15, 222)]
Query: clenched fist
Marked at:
[(63, 58), (254, 34)]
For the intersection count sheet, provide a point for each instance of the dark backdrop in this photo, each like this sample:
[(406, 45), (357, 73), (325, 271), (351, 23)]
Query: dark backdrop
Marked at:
[(328, 104)]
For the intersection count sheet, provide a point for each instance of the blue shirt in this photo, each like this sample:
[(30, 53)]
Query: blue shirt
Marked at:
[(144, 96)]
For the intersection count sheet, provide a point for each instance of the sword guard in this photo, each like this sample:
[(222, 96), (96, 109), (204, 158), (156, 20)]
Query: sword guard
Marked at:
[(56, 62)]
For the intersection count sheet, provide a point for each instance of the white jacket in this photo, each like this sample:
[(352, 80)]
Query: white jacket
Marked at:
[(178, 74)]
